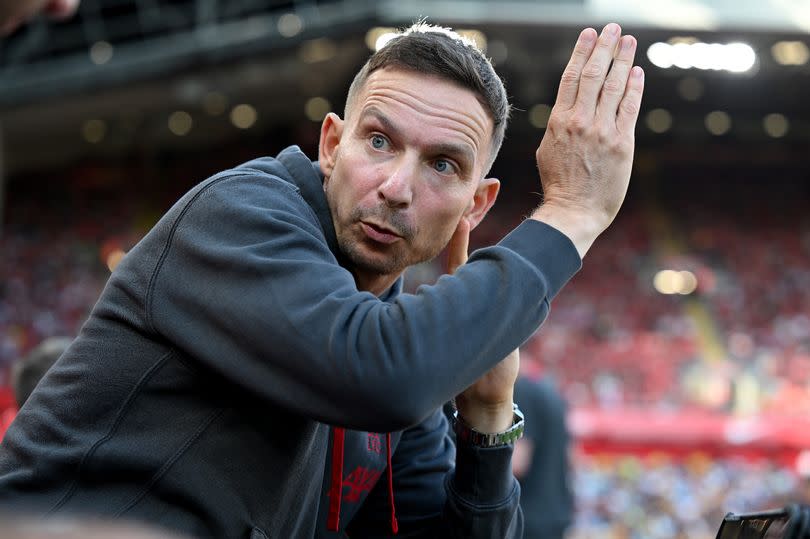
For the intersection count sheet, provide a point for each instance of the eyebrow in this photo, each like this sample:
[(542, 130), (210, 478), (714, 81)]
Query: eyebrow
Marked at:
[(460, 152)]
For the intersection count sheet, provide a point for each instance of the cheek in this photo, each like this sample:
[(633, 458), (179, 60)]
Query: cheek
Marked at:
[(358, 179), (441, 219)]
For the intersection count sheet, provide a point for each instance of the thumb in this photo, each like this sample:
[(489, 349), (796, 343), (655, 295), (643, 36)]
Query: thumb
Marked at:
[(459, 243)]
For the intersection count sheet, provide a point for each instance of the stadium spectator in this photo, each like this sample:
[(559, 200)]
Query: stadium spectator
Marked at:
[(260, 322), (27, 373), (540, 461)]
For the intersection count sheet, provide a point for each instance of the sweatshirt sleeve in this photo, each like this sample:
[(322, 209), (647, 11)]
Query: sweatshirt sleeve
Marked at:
[(246, 284), (479, 498)]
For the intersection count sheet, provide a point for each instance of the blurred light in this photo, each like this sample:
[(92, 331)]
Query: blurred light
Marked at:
[(316, 108), (683, 39), (180, 123), (681, 55), (243, 116), (114, 258), (290, 25), (476, 36), (317, 50), (793, 53), (688, 283), (660, 54), (539, 114), (374, 35), (741, 57), (718, 122), (383, 40), (189, 90), (667, 281), (94, 131), (659, 120), (675, 282), (776, 125), (803, 464), (215, 103), (733, 57), (690, 88), (101, 52)]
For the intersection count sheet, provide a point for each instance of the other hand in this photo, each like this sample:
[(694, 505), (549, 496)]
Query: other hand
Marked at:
[(487, 404)]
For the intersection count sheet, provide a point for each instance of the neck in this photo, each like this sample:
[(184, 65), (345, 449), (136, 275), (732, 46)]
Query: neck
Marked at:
[(375, 283)]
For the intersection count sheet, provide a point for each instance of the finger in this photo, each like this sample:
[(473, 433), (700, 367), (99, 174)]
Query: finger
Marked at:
[(631, 102), (569, 84), (616, 83), (458, 246), (595, 70)]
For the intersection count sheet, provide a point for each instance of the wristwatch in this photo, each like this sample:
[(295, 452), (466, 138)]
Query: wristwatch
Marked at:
[(471, 436)]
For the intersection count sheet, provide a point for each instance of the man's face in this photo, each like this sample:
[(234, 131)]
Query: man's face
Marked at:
[(403, 169)]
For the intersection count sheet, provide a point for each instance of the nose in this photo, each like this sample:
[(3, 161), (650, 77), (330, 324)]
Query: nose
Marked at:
[(397, 188)]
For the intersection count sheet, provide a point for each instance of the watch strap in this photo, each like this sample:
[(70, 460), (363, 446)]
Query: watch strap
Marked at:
[(469, 435)]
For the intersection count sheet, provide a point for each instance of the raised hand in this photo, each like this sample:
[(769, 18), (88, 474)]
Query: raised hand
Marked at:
[(586, 155), (487, 404)]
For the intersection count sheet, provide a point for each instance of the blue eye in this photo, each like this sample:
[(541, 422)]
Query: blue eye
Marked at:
[(442, 166), (377, 142)]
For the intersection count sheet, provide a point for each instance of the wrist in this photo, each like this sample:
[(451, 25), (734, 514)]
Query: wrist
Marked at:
[(466, 435), (485, 418), (578, 224)]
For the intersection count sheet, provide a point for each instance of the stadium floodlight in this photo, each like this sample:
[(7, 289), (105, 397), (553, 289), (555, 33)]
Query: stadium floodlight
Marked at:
[(732, 57), (740, 57), (660, 54)]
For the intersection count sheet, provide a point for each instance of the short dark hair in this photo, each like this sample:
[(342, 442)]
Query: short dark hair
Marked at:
[(434, 50), (28, 371)]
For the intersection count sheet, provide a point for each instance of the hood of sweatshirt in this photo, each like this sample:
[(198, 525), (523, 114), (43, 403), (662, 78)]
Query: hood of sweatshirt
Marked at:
[(293, 166)]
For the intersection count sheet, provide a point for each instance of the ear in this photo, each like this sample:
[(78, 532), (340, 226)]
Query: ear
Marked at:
[(484, 198), (331, 132)]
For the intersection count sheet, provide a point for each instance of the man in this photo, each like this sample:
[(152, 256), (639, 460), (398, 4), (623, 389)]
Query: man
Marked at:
[(251, 368), (540, 461), (13, 13), (27, 372)]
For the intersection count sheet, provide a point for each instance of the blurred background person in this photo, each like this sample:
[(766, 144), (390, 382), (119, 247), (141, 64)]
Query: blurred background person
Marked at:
[(28, 371), (541, 461)]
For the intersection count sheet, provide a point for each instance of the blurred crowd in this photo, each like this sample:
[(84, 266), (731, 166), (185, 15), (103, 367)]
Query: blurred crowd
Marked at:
[(739, 344), (627, 497)]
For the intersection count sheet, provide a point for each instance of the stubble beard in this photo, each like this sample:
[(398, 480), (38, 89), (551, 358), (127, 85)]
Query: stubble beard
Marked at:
[(395, 260)]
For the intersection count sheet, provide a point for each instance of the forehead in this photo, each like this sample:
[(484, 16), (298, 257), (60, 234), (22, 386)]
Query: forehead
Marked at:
[(434, 108)]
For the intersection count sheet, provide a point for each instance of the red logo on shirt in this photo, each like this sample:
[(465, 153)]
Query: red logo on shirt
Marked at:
[(374, 442), (359, 481)]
